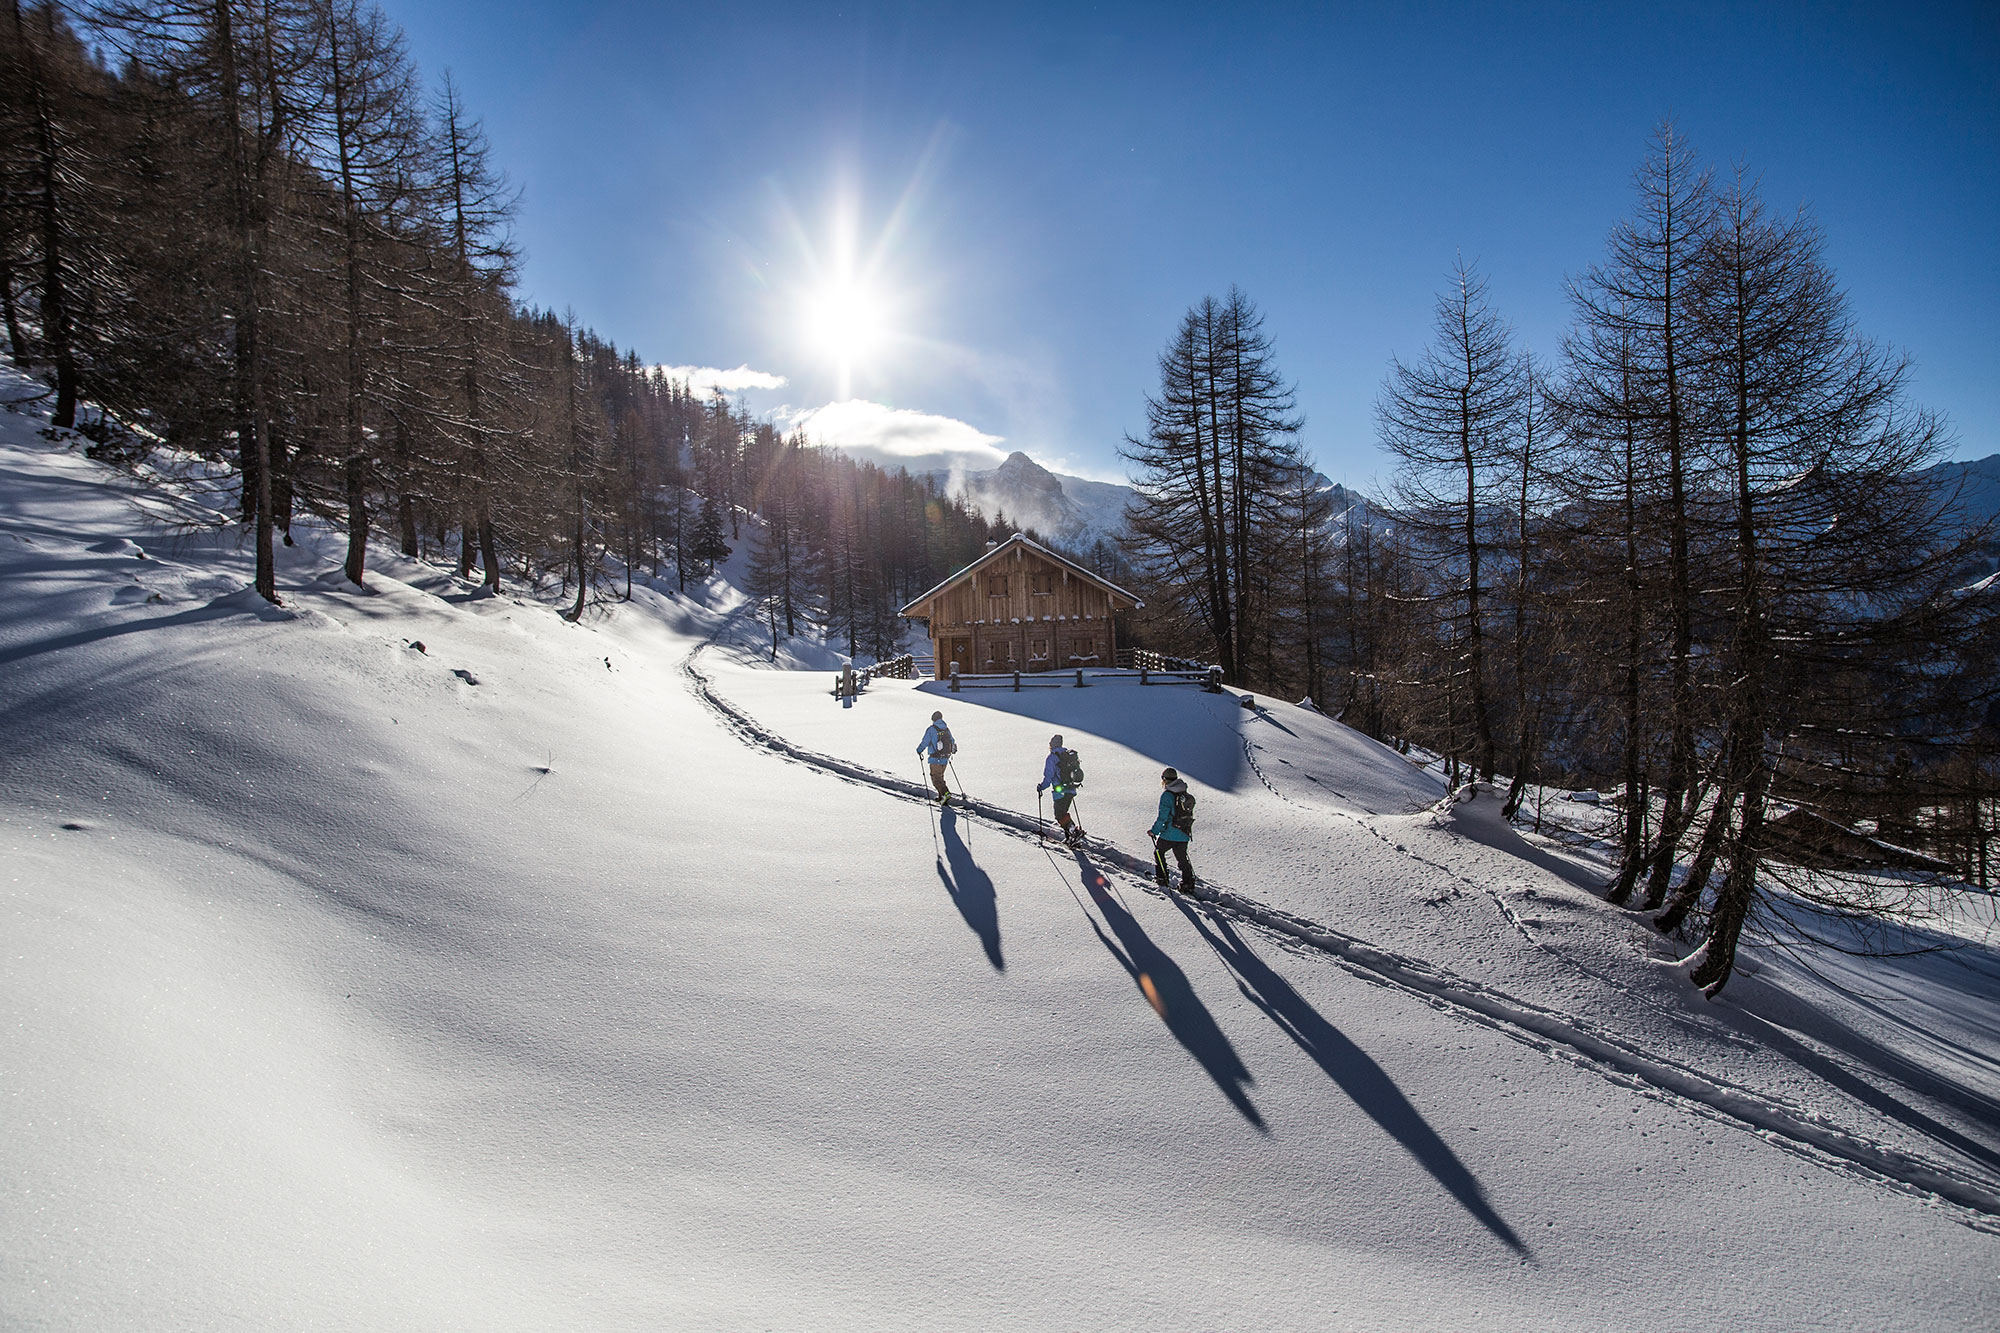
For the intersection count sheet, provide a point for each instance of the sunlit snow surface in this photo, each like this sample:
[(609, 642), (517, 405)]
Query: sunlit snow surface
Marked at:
[(498, 984)]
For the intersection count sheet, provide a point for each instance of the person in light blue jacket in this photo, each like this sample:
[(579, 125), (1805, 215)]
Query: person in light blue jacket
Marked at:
[(1054, 768), (1173, 830), (938, 747)]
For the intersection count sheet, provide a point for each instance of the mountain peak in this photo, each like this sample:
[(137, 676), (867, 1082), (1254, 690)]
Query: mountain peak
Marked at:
[(1018, 462)]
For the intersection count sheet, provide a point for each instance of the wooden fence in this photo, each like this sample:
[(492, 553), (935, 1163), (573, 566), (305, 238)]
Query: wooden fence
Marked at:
[(1196, 673), (849, 681)]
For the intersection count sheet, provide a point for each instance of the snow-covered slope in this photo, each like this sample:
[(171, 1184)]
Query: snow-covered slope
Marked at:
[(501, 983), (1308, 820), (1973, 483)]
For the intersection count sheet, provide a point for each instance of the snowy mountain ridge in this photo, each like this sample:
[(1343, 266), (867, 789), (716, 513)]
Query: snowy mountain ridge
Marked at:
[(1076, 512)]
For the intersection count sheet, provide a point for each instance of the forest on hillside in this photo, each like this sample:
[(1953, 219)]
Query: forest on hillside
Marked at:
[(251, 233), (1693, 559)]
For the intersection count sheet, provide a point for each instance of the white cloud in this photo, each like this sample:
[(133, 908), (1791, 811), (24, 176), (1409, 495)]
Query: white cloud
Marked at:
[(701, 379), (901, 437)]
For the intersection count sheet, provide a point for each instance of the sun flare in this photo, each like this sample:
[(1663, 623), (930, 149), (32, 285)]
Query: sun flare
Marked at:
[(851, 303), (846, 322)]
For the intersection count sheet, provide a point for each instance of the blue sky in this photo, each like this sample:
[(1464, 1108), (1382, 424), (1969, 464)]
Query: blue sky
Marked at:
[(951, 231)]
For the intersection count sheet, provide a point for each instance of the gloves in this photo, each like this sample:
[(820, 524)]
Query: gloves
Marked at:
[(1040, 787)]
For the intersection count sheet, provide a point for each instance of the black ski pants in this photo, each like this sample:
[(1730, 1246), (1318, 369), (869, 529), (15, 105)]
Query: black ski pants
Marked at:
[(1180, 850)]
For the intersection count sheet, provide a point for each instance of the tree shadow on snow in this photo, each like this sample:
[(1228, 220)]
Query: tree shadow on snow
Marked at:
[(971, 890), (1891, 1064), (1797, 1006), (1167, 989), (215, 610), (1366, 1082), (1264, 715)]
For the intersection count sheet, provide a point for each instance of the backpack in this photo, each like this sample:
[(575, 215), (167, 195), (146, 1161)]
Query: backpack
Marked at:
[(1184, 812), (950, 745), (1069, 769)]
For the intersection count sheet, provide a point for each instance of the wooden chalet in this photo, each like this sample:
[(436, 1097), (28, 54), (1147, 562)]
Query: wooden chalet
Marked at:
[(1021, 607)]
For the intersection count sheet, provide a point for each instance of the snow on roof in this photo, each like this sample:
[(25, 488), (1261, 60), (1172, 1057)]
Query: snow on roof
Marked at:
[(1032, 545)]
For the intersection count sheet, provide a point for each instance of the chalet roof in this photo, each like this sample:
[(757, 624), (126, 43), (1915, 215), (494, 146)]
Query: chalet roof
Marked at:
[(1016, 540), (1806, 834)]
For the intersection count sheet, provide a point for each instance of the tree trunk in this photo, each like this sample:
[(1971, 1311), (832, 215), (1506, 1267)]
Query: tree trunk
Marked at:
[(1674, 813), (1482, 722), (1732, 905), (250, 220), (17, 339), (1686, 897), (355, 464), (58, 332), (1633, 832)]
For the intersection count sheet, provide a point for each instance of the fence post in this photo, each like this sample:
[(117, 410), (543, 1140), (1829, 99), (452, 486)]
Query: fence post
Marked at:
[(1142, 675), (1079, 678), (1017, 682)]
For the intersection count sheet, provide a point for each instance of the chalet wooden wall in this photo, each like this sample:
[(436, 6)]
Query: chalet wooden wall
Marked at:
[(1020, 612)]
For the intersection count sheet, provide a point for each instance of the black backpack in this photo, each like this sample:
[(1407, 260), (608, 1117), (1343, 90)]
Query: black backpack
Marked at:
[(1184, 812), (1069, 769)]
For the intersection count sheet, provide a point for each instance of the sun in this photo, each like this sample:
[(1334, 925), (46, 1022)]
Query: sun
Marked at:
[(847, 322), (849, 304)]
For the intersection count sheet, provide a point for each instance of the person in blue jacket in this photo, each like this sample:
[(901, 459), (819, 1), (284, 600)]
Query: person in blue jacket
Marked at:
[(1065, 792), (938, 747), (1174, 830)]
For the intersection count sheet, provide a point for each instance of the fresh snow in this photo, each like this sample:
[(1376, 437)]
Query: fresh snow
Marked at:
[(562, 976)]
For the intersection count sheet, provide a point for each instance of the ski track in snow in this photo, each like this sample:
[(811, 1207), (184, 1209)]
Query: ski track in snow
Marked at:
[(1972, 1201), (1507, 913)]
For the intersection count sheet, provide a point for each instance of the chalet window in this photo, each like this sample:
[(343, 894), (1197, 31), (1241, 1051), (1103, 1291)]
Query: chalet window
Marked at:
[(1041, 585), (996, 585), (1038, 650)]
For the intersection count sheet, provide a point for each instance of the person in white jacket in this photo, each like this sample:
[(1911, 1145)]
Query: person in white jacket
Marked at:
[(938, 747)]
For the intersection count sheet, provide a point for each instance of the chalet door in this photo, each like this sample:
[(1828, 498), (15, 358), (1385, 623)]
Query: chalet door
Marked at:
[(961, 654)]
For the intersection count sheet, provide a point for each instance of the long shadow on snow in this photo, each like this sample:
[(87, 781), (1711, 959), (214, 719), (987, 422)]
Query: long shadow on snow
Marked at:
[(1349, 1066), (971, 890), (1961, 977), (1167, 989), (1907, 1072), (215, 610)]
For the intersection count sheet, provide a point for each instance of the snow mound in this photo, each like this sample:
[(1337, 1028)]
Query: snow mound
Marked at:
[(1473, 812)]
